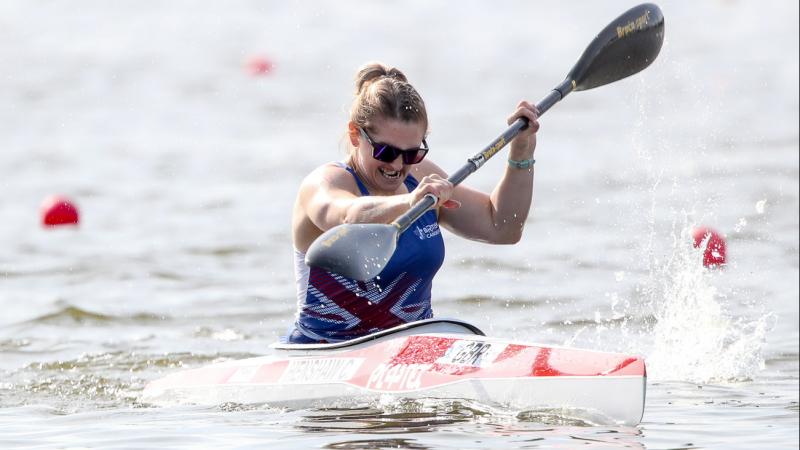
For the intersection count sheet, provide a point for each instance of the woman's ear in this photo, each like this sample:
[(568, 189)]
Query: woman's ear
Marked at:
[(353, 133)]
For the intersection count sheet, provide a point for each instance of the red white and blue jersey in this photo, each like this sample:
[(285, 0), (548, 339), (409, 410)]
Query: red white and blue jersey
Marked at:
[(333, 308)]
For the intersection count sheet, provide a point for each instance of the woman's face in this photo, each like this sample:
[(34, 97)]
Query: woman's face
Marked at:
[(384, 178)]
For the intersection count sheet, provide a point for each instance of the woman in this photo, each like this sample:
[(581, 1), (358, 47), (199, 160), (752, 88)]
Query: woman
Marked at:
[(384, 174)]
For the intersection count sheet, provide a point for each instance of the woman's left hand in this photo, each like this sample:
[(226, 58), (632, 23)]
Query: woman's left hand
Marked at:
[(523, 146)]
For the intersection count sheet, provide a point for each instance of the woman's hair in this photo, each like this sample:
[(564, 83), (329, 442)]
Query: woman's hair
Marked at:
[(384, 93)]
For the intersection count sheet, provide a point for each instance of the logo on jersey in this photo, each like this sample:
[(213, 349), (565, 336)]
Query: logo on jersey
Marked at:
[(428, 231)]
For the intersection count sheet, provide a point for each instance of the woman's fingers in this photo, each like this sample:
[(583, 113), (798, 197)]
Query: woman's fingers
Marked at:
[(440, 187), (524, 144), (528, 111)]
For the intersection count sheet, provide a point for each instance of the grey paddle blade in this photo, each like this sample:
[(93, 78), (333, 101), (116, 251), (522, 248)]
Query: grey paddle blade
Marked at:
[(358, 251)]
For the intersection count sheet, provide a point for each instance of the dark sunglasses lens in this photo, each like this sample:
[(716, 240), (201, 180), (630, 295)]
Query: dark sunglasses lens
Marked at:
[(388, 153), (383, 152), (413, 156)]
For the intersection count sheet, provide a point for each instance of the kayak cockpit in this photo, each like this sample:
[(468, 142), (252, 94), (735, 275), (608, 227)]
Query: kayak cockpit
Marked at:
[(427, 326)]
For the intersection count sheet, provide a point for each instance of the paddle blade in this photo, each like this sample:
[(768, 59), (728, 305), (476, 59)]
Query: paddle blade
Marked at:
[(626, 46), (358, 251)]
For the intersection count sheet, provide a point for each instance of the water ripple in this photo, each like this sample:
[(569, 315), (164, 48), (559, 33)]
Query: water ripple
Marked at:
[(69, 315)]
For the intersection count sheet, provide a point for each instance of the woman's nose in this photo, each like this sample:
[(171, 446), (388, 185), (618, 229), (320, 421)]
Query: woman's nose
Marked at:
[(397, 164)]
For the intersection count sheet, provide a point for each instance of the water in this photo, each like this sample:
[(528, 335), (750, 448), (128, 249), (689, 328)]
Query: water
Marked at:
[(185, 168)]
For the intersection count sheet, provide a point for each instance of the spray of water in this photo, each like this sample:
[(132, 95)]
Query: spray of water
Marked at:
[(691, 323), (694, 337)]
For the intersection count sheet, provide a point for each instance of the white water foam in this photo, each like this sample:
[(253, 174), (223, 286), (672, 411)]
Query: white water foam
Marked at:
[(694, 337), (686, 330)]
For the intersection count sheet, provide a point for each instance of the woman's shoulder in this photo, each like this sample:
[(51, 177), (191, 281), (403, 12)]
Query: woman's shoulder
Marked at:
[(328, 170), (333, 173), (425, 168)]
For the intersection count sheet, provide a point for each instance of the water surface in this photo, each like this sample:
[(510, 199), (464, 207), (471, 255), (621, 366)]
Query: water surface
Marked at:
[(185, 168)]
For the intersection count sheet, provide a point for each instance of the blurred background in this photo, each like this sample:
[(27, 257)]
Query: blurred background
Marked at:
[(181, 131)]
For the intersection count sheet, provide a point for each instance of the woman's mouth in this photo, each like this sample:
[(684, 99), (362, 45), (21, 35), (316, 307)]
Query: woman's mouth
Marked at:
[(390, 174)]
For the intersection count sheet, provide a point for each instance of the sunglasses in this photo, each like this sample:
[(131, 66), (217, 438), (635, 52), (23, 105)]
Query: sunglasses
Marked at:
[(388, 153)]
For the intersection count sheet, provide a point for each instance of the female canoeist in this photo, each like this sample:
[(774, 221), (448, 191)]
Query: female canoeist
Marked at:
[(383, 175)]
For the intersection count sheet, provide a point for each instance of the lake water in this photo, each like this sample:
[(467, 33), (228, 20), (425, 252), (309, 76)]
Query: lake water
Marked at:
[(185, 166)]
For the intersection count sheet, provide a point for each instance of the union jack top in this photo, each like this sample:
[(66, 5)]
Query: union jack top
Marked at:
[(333, 308)]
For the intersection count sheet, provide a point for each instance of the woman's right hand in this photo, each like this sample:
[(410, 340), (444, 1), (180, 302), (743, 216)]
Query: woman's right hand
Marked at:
[(438, 186)]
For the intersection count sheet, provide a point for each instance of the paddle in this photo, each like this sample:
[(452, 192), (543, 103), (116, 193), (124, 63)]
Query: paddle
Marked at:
[(626, 46)]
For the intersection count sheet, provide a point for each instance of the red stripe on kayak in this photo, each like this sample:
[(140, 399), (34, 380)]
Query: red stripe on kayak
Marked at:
[(422, 350), (510, 351)]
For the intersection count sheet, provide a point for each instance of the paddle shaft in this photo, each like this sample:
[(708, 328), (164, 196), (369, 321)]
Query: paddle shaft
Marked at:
[(480, 158)]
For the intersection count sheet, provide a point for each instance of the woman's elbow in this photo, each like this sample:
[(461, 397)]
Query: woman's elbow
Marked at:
[(511, 240), (509, 237)]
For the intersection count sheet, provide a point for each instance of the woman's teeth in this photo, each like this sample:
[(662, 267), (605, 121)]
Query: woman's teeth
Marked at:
[(390, 173)]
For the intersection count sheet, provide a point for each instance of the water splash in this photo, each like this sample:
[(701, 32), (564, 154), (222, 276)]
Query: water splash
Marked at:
[(694, 337), (678, 308)]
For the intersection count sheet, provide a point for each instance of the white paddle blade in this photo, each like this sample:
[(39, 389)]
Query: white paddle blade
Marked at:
[(358, 251)]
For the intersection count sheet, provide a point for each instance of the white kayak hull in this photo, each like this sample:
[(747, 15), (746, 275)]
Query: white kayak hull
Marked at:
[(415, 363)]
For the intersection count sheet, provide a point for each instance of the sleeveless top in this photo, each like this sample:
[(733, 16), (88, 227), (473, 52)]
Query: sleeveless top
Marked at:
[(333, 308)]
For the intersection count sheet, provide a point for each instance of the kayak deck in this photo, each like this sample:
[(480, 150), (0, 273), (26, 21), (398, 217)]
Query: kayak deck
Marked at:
[(460, 365)]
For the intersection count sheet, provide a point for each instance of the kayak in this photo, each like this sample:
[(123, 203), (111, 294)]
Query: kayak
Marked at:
[(429, 359)]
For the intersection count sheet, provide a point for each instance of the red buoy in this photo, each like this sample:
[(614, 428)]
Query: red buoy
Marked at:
[(259, 65), (715, 252), (58, 210)]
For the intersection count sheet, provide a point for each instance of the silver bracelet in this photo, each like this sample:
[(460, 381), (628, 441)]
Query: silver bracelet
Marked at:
[(524, 164)]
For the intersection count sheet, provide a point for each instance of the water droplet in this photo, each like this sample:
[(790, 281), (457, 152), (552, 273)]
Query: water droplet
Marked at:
[(761, 206)]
